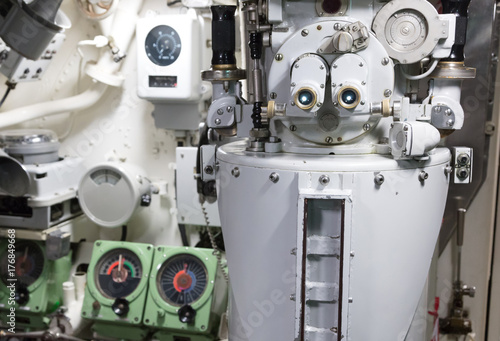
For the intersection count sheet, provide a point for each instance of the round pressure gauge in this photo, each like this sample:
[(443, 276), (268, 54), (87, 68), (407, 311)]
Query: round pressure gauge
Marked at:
[(163, 45), (110, 193), (118, 273), (182, 280), (29, 264)]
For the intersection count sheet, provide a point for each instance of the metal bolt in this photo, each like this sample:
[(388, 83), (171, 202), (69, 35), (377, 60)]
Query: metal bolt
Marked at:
[(350, 300), (405, 128), (437, 109), (385, 61), (322, 86), (337, 27), (447, 112), (450, 123), (304, 33), (335, 66), (293, 128), (273, 95), (292, 297), (353, 253), (423, 176), (329, 140), (296, 66), (319, 104), (229, 109), (366, 127), (321, 67), (278, 57), (387, 93), (379, 179), (235, 172), (448, 169), (361, 64), (293, 84), (217, 121), (220, 111), (274, 177), (362, 102), (339, 139), (324, 180), (209, 170), (319, 27), (363, 83), (334, 85)]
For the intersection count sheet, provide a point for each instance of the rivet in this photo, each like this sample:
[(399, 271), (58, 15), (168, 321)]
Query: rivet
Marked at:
[(278, 57), (385, 61), (217, 121), (235, 172)]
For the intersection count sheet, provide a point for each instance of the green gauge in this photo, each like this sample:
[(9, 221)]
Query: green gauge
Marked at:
[(118, 273), (182, 280), (29, 264)]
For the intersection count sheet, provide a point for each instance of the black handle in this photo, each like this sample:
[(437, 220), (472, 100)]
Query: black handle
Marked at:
[(223, 35)]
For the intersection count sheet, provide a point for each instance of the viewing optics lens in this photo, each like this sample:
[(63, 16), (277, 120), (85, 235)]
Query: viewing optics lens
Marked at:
[(305, 98), (349, 97)]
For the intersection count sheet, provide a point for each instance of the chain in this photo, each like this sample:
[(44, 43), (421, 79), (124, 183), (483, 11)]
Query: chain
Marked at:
[(216, 252)]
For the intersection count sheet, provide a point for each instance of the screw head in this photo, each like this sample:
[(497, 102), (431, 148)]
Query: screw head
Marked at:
[(274, 177), (450, 123), (337, 27), (218, 121), (379, 179), (319, 27), (273, 95), (293, 128), (448, 169), (278, 57), (305, 33), (220, 111), (235, 172), (324, 180), (366, 127), (209, 170), (388, 93), (329, 139), (423, 176), (385, 61), (229, 109), (447, 112)]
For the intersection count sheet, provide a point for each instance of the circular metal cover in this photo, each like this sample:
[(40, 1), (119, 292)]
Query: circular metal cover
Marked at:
[(409, 29), (23, 137)]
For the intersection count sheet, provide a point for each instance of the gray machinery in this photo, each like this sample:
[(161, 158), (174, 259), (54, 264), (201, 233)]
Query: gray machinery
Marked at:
[(332, 200)]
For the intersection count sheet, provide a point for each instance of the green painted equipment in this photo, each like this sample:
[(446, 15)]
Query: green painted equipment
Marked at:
[(30, 283), (187, 294), (116, 290)]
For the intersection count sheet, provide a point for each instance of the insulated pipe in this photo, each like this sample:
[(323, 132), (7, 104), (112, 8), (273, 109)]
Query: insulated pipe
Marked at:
[(80, 280), (76, 103), (104, 72), (69, 296)]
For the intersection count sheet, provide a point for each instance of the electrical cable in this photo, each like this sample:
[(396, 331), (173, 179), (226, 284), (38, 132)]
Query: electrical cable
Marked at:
[(217, 253), (10, 86), (432, 67), (182, 230), (124, 233)]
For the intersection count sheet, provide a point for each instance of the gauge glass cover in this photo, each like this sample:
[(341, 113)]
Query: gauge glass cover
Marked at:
[(29, 264), (163, 45), (118, 273), (182, 280)]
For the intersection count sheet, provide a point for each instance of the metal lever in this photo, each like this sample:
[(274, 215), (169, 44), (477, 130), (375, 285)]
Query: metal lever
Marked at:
[(457, 323)]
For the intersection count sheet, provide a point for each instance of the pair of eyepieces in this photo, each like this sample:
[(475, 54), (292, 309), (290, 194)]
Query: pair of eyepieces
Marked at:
[(348, 97)]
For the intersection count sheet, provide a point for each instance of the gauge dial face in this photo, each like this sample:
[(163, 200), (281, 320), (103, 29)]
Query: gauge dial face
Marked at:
[(29, 264), (105, 176), (118, 273), (163, 45), (182, 280)]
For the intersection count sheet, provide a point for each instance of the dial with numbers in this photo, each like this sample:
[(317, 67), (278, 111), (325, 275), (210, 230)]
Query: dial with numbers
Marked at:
[(182, 280), (29, 264), (163, 45)]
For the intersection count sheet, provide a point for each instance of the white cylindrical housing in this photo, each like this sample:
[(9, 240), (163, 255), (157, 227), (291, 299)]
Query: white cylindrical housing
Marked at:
[(69, 295), (324, 245), (80, 280)]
